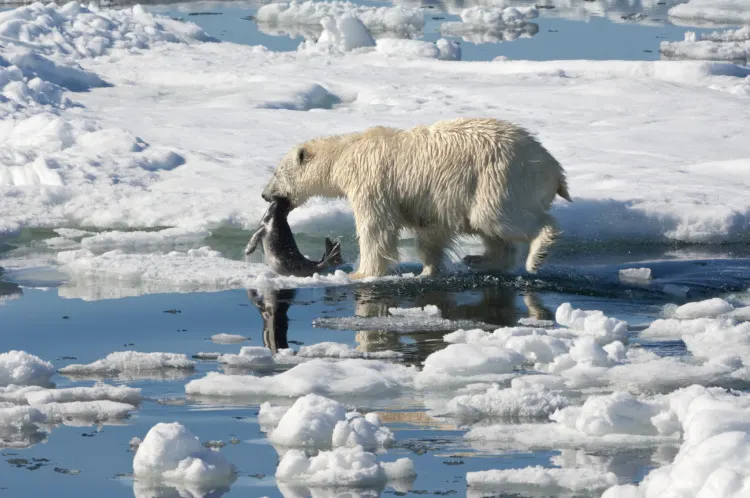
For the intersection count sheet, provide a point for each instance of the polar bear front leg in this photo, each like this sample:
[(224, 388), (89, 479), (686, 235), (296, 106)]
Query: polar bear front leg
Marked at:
[(378, 243)]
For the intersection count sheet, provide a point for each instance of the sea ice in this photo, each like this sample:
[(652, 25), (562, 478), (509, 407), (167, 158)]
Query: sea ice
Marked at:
[(709, 308), (171, 453), (400, 320), (20, 367), (98, 392), (19, 426), (84, 412), (732, 45), (592, 323), (341, 467), (635, 275), (260, 358)]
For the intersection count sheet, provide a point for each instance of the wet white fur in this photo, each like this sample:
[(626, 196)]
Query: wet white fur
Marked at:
[(470, 176)]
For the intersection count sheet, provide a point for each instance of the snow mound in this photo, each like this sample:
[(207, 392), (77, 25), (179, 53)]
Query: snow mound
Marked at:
[(341, 467), (20, 367), (465, 364), (290, 15), (339, 350), (442, 49), (228, 338), (550, 479), (75, 31), (714, 11), (316, 421), (171, 453), (485, 25), (340, 34), (130, 362), (514, 403), (731, 45), (351, 377)]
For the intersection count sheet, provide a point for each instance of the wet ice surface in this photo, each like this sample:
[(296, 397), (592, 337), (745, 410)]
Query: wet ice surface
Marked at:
[(497, 435)]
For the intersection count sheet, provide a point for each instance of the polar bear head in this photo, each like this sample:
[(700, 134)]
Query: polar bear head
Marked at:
[(305, 172)]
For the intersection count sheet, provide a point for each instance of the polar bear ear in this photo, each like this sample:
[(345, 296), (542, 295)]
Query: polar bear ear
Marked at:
[(303, 154)]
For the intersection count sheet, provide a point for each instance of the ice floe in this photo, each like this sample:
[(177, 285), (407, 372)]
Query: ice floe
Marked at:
[(399, 320), (486, 25), (170, 453), (339, 350), (228, 338), (19, 426), (548, 480), (316, 421), (350, 377), (132, 364), (260, 358), (731, 45), (713, 11)]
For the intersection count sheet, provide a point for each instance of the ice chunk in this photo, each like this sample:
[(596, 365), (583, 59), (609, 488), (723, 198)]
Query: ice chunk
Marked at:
[(341, 467), (99, 392), (171, 453), (339, 350), (85, 412), (228, 338), (480, 24), (635, 275), (466, 363), (513, 403), (351, 377), (592, 323), (131, 363), (709, 308), (549, 479), (344, 34), (260, 358), (20, 367), (316, 421), (716, 11), (19, 426)]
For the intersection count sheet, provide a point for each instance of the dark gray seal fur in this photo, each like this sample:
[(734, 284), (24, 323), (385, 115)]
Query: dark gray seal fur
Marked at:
[(280, 248)]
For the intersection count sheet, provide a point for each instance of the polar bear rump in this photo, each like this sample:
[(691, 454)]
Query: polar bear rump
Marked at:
[(468, 176)]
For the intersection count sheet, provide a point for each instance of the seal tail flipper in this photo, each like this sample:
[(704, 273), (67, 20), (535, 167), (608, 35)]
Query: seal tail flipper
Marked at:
[(254, 241), (332, 256)]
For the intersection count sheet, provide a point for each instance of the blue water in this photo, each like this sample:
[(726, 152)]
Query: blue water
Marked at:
[(557, 35)]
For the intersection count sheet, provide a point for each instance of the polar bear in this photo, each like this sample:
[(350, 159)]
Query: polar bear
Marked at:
[(468, 176)]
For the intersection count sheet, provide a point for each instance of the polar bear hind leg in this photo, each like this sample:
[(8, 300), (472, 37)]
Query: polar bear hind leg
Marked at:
[(432, 247)]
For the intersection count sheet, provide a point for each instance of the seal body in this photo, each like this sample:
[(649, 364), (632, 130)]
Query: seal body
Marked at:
[(280, 248)]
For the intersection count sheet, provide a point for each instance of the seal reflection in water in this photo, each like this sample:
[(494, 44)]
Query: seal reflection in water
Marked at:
[(273, 306), (280, 248)]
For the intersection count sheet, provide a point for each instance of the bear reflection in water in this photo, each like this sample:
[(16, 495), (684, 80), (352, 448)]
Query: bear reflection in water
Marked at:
[(495, 305)]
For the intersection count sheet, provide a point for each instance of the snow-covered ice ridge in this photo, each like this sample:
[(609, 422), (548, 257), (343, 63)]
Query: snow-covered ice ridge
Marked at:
[(58, 168)]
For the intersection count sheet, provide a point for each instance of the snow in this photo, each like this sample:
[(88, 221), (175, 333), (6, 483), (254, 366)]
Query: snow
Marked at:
[(350, 377), (715, 11), (316, 421), (549, 479), (171, 453), (486, 25), (228, 338), (20, 367), (130, 363), (341, 467)]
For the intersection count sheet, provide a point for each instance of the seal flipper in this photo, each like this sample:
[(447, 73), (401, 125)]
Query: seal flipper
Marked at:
[(255, 240), (332, 256)]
